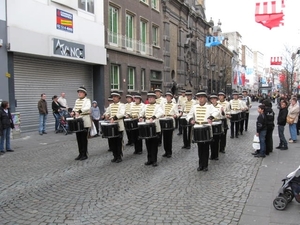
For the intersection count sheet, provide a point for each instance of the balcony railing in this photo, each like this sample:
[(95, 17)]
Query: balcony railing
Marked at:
[(121, 41)]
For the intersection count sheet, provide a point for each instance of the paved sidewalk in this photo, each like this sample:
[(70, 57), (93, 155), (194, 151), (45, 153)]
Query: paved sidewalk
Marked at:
[(41, 184)]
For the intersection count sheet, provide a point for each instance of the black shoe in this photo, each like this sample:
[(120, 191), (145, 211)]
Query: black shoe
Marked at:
[(188, 147), (128, 144), (44, 132), (279, 147), (78, 157), (231, 137), (179, 133), (236, 136), (154, 164), (148, 163), (165, 155), (109, 150), (10, 150), (284, 148), (119, 160), (139, 153), (199, 168), (183, 147), (169, 156), (245, 130), (214, 158), (41, 133), (205, 169), (159, 144), (83, 158), (222, 151), (114, 160), (255, 153), (241, 133), (259, 156)]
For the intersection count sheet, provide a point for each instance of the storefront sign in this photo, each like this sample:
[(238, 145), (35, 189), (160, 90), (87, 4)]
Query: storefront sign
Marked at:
[(69, 49), (64, 21)]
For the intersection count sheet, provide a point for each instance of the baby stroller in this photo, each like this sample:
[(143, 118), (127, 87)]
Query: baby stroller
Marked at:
[(290, 189), (62, 124)]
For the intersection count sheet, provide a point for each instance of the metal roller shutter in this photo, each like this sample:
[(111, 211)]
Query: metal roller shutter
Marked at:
[(34, 76)]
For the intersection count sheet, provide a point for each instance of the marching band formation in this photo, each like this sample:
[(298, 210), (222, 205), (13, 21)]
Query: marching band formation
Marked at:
[(204, 121)]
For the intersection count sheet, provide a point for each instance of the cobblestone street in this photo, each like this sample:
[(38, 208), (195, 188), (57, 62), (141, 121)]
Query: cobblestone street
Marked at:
[(41, 183)]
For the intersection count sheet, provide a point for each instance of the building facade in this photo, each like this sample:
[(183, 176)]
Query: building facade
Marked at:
[(51, 47)]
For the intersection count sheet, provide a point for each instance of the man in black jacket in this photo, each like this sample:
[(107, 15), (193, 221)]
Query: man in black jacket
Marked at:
[(261, 130), (270, 116), (281, 121)]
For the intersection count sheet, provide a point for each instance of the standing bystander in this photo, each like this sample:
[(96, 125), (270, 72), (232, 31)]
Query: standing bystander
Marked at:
[(95, 113), (43, 112), (281, 121), (7, 125)]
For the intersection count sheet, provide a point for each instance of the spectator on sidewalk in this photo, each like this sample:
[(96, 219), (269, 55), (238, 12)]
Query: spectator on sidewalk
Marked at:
[(63, 101), (293, 112), (57, 111), (7, 125), (43, 112), (95, 113), (270, 116), (261, 131), (281, 121)]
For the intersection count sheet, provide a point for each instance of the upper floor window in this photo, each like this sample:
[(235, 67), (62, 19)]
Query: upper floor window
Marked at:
[(143, 35), (113, 25), (143, 80), (86, 5), (154, 4), (129, 32), (131, 80), (145, 1), (155, 35), (114, 77)]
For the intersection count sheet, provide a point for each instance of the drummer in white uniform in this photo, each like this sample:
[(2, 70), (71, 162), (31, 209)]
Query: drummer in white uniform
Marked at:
[(235, 113)]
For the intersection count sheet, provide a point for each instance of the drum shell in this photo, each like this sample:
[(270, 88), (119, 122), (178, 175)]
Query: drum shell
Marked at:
[(147, 130), (75, 125), (166, 124), (217, 128), (202, 133), (235, 117), (110, 130), (131, 124)]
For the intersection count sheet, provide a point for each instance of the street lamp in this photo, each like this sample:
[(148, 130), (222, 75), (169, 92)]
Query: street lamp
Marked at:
[(212, 68)]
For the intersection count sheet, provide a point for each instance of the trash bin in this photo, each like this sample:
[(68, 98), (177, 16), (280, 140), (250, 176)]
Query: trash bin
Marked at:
[(16, 133)]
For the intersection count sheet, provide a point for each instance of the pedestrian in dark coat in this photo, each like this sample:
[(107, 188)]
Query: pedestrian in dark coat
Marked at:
[(7, 125), (281, 122), (270, 116), (261, 131)]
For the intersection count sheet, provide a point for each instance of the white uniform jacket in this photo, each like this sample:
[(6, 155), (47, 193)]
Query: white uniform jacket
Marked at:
[(210, 110), (236, 105), (169, 112), (148, 114), (184, 107), (83, 107), (116, 110)]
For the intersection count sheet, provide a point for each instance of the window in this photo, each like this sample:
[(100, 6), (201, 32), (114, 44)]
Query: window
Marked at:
[(86, 5), (130, 79), (155, 35), (114, 77), (143, 36), (154, 4), (129, 30), (113, 25), (145, 1), (143, 83)]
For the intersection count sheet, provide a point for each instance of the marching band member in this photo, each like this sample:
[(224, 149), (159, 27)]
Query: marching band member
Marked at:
[(82, 110), (181, 100), (136, 108), (115, 113), (200, 113), (170, 111), (248, 102), (225, 104), (186, 107), (128, 106), (215, 143), (244, 109), (235, 108), (151, 113)]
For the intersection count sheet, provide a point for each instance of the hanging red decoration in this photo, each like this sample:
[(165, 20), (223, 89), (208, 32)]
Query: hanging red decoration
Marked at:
[(281, 78), (276, 61), (270, 20)]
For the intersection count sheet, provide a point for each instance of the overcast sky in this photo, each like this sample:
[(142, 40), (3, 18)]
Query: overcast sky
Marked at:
[(239, 15)]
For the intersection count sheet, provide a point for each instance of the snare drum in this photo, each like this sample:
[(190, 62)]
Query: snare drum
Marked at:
[(131, 124), (183, 122), (146, 130), (202, 133), (166, 123), (110, 130), (75, 125), (217, 128), (225, 125), (235, 116)]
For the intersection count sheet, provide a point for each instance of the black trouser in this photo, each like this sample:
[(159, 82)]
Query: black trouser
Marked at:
[(246, 121), (236, 125), (203, 153), (215, 147), (129, 136), (152, 149), (82, 142), (187, 136), (176, 122), (96, 122), (168, 137), (138, 143), (223, 139), (269, 139), (241, 126), (159, 135), (115, 144)]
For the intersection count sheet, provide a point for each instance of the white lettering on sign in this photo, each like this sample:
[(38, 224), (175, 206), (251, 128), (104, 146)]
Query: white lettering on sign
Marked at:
[(70, 51)]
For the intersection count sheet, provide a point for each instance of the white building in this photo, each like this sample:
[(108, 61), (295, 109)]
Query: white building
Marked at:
[(53, 46)]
